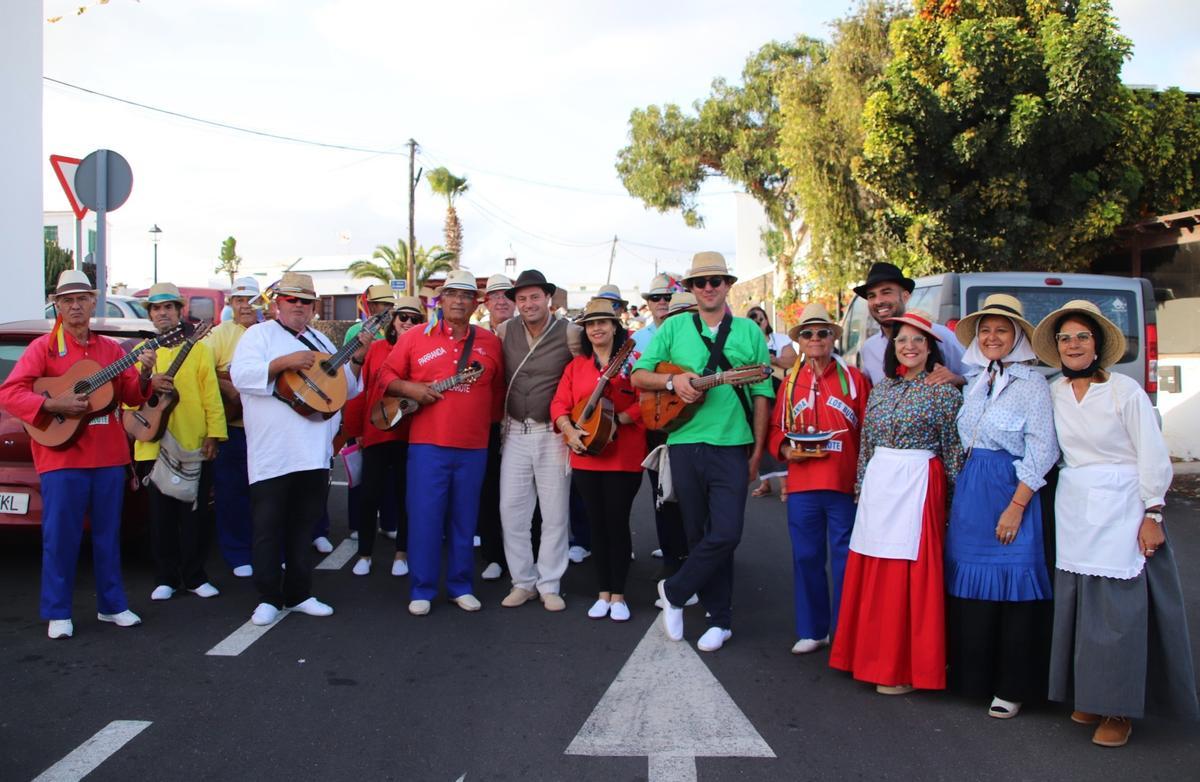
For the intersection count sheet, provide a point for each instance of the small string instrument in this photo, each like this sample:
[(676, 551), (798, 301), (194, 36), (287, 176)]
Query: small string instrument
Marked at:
[(667, 411), (147, 423), (389, 411), (321, 390), (596, 415)]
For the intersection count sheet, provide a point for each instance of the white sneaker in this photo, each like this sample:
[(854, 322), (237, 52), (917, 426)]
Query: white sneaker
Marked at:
[(61, 628), (691, 601), (468, 602), (243, 571), (313, 607), (657, 553), (492, 572), (399, 567), (126, 618), (599, 609), (264, 614), (713, 639), (672, 617), (362, 566), (205, 590), (578, 554), (476, 542), (619, 611), (808, 645), (162, 592), (418, 607), (322, 545), (390, 533), (354, 535)]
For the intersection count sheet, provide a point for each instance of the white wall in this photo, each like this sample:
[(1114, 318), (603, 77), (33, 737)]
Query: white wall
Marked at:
[(21, 159), (750, 260), (1181, 412)]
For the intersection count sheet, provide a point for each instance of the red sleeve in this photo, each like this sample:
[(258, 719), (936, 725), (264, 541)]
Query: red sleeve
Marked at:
[(16, 394), (774, 430), (564, 396), (625, 398)]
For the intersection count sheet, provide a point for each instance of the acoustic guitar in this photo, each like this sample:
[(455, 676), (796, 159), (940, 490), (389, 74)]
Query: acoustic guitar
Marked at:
[(55, 430), (595, 415), (321, 390), (389, 411), (666, 411), (147, 423)]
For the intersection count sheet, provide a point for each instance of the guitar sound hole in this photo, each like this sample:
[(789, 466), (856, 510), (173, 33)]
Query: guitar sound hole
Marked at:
[(152, 401)]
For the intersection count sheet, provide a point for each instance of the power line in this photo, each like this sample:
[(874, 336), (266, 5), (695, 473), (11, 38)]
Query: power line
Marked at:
[(554, 185)]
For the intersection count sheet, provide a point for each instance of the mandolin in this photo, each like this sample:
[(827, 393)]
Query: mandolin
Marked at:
[(321, 390), (389, 411), (55, 430), (147, 423), (666, 411), (596, 415)]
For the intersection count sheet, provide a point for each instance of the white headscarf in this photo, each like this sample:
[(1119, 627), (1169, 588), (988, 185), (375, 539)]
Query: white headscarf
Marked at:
[(994, 377)]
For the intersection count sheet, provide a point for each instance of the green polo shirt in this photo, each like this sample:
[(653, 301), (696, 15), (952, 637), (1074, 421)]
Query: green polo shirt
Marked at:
[(720, 419)]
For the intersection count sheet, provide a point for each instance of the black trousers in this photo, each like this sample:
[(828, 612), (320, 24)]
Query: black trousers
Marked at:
[(284, 510), (491, 536), (607, 499), (180, 534), (998, 648), (710, 482), (384, 469), (668, 522)]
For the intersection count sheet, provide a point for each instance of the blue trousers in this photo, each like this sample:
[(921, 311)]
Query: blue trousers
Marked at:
[(819, 521), (443, 505), (67, 495), (231, 492)]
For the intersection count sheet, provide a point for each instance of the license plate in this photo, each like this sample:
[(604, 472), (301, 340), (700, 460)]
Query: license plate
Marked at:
[(14, 503)]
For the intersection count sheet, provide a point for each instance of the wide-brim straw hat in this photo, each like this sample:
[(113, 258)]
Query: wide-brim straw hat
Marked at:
[(498, 283), (814, 315), (530, 278), (162, 292), (296, 284), (918, 319), (997, 304), (73, 281), (598, 309), (409, 303), (461, 280), (1046, 345), (681, 302), (708, 264)]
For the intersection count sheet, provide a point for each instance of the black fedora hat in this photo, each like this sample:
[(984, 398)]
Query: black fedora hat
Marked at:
[(528, 279), (884, 272)]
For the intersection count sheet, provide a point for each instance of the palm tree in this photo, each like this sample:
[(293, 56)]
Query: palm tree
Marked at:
[(450, 187), (391, 263)]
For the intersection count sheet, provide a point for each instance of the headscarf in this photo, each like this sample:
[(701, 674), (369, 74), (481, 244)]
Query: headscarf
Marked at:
[(993, 379)]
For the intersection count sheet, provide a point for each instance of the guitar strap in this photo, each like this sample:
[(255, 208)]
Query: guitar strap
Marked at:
[(465, 358), (718, 360), (300, 336)]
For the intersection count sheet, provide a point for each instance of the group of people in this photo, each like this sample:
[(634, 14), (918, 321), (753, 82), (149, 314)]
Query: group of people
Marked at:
[(928, 551)]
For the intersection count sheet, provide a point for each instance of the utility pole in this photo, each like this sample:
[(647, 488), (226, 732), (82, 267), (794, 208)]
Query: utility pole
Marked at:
[(412, 212), (611, 256)]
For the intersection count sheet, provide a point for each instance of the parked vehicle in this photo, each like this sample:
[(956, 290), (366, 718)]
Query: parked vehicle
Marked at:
[(1126, 301), (115, 307), (198, 303)]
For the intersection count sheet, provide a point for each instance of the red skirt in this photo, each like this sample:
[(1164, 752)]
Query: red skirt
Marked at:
[(891, 626)]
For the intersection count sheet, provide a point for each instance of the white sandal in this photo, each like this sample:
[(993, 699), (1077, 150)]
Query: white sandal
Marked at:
[(1003, 710)]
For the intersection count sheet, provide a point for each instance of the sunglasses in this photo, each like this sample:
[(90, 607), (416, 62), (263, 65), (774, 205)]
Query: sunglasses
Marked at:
[(657, 297), (293, 300), (407, 317), (707, 282), (1082, 337), (819, 333)]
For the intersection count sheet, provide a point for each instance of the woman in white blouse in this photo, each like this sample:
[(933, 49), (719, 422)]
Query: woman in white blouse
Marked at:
[(1120, 646)]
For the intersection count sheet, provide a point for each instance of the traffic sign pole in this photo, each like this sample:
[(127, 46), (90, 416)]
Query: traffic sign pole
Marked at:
[(101, 231), (103, 182)]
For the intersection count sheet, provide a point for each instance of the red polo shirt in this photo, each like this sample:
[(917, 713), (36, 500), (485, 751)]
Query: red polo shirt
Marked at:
[(102, 441), (462, 418), (626, 453)]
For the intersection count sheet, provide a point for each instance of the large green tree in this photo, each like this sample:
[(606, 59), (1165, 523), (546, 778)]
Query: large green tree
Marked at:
[(1162, 139), (450, 187), (994, 134), (391, 263)]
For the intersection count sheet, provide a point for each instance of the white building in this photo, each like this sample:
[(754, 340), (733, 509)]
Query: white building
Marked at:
[(59, 227)]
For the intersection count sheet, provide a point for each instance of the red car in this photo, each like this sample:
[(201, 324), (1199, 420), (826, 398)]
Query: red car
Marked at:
[(20, 487)]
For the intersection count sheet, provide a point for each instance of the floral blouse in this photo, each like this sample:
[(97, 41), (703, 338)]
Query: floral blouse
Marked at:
[(908, 414), (1020, 421)]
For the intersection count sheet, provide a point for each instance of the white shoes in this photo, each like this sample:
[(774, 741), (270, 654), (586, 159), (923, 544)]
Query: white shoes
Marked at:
[(243, 571), (599, 609), (492, 572), (713, 639), (672, 617), (1002, 709), (126, 618), (362, 566), (657, 553), (468, 602), (204, 590), (399, 567), (391, 534), (162, 592), (418, 607), (322, 545), (691, 601), (61, 628), (476, 542), (809, 645), (264, 614), (354, 534), (578, 554), (618, 611), (313, 607)]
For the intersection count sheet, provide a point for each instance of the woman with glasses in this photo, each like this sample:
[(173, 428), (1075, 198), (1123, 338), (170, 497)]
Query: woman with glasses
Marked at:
[(385, 452), (820, 394), (891, 627), (998, 605), (1120, 646), (783, 356)]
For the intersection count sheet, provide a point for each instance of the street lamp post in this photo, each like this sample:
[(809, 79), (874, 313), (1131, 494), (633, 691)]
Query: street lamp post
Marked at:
[(155, 232)]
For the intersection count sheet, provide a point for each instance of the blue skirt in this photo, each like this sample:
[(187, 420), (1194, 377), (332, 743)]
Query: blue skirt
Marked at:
[(978, 567)]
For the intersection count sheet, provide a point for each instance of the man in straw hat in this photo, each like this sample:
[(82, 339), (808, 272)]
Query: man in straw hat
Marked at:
[(380, 298), (288, 454), (495, 297), (709, 465), (887, 292), (533, 465), (491, 535), (85, 477)]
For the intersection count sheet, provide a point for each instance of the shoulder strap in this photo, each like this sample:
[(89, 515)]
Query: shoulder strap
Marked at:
[(300, 336), (465, 358), (718, 360)]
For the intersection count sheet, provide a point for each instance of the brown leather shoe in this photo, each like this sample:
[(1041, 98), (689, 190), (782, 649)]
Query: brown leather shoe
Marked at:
[(1085, 718), (518, 597), (1113, 732)]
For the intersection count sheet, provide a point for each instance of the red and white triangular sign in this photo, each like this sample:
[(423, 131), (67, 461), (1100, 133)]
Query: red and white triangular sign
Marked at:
[(64, 169)]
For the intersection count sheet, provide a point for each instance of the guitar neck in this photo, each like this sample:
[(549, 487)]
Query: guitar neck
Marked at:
[(117, 367), (722, 377), (610, 371), (179, 359), (448, 383), (344, 353)]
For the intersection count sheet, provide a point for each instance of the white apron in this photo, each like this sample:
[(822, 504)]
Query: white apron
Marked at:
[(891, 504), (1098, 511)]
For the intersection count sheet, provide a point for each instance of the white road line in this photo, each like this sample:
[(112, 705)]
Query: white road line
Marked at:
[(672, 768), (240, 639), (339, 556), (87, 756), (339, 483)]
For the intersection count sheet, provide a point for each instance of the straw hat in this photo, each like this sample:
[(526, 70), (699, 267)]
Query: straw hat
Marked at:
[(997, 304), (460, 280), (659, 286), (681, 302), (245, 286), (814, 315), (381, 294), (918, 319), (597, 309), (410, 303), (73, 281), (162, 292), (612, 293), (1045, 345), (296, 284), (498, 283), (708, 264)]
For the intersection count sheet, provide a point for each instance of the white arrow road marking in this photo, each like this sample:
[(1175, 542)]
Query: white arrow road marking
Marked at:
[(666, 704), (339, 556), (84, 759)]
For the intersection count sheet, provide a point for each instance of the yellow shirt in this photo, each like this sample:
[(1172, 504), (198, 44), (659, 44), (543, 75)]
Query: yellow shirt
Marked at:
[(223, 341), (199, 413)]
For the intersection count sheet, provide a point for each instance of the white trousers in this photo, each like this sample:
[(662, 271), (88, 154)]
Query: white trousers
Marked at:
[(533, 470)]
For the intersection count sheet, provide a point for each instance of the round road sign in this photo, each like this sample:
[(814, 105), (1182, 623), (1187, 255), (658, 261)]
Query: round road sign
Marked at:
[(119, 180)]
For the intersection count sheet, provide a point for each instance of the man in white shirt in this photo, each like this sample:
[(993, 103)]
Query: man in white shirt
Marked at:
[(288, 454)]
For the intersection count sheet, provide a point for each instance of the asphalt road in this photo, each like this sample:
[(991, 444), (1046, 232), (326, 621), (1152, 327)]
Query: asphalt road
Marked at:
[(373, 693)]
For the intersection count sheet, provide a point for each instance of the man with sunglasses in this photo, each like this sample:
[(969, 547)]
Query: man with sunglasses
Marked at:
[(709, 466)]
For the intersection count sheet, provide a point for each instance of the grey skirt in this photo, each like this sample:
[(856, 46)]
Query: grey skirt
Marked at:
[(1120, 646)]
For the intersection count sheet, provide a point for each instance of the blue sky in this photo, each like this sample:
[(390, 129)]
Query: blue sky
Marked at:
[(501, 92)]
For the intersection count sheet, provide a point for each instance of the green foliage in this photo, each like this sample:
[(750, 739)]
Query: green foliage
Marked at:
[(56, 261), (391, 263), (1162, 138), (228, 261)]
